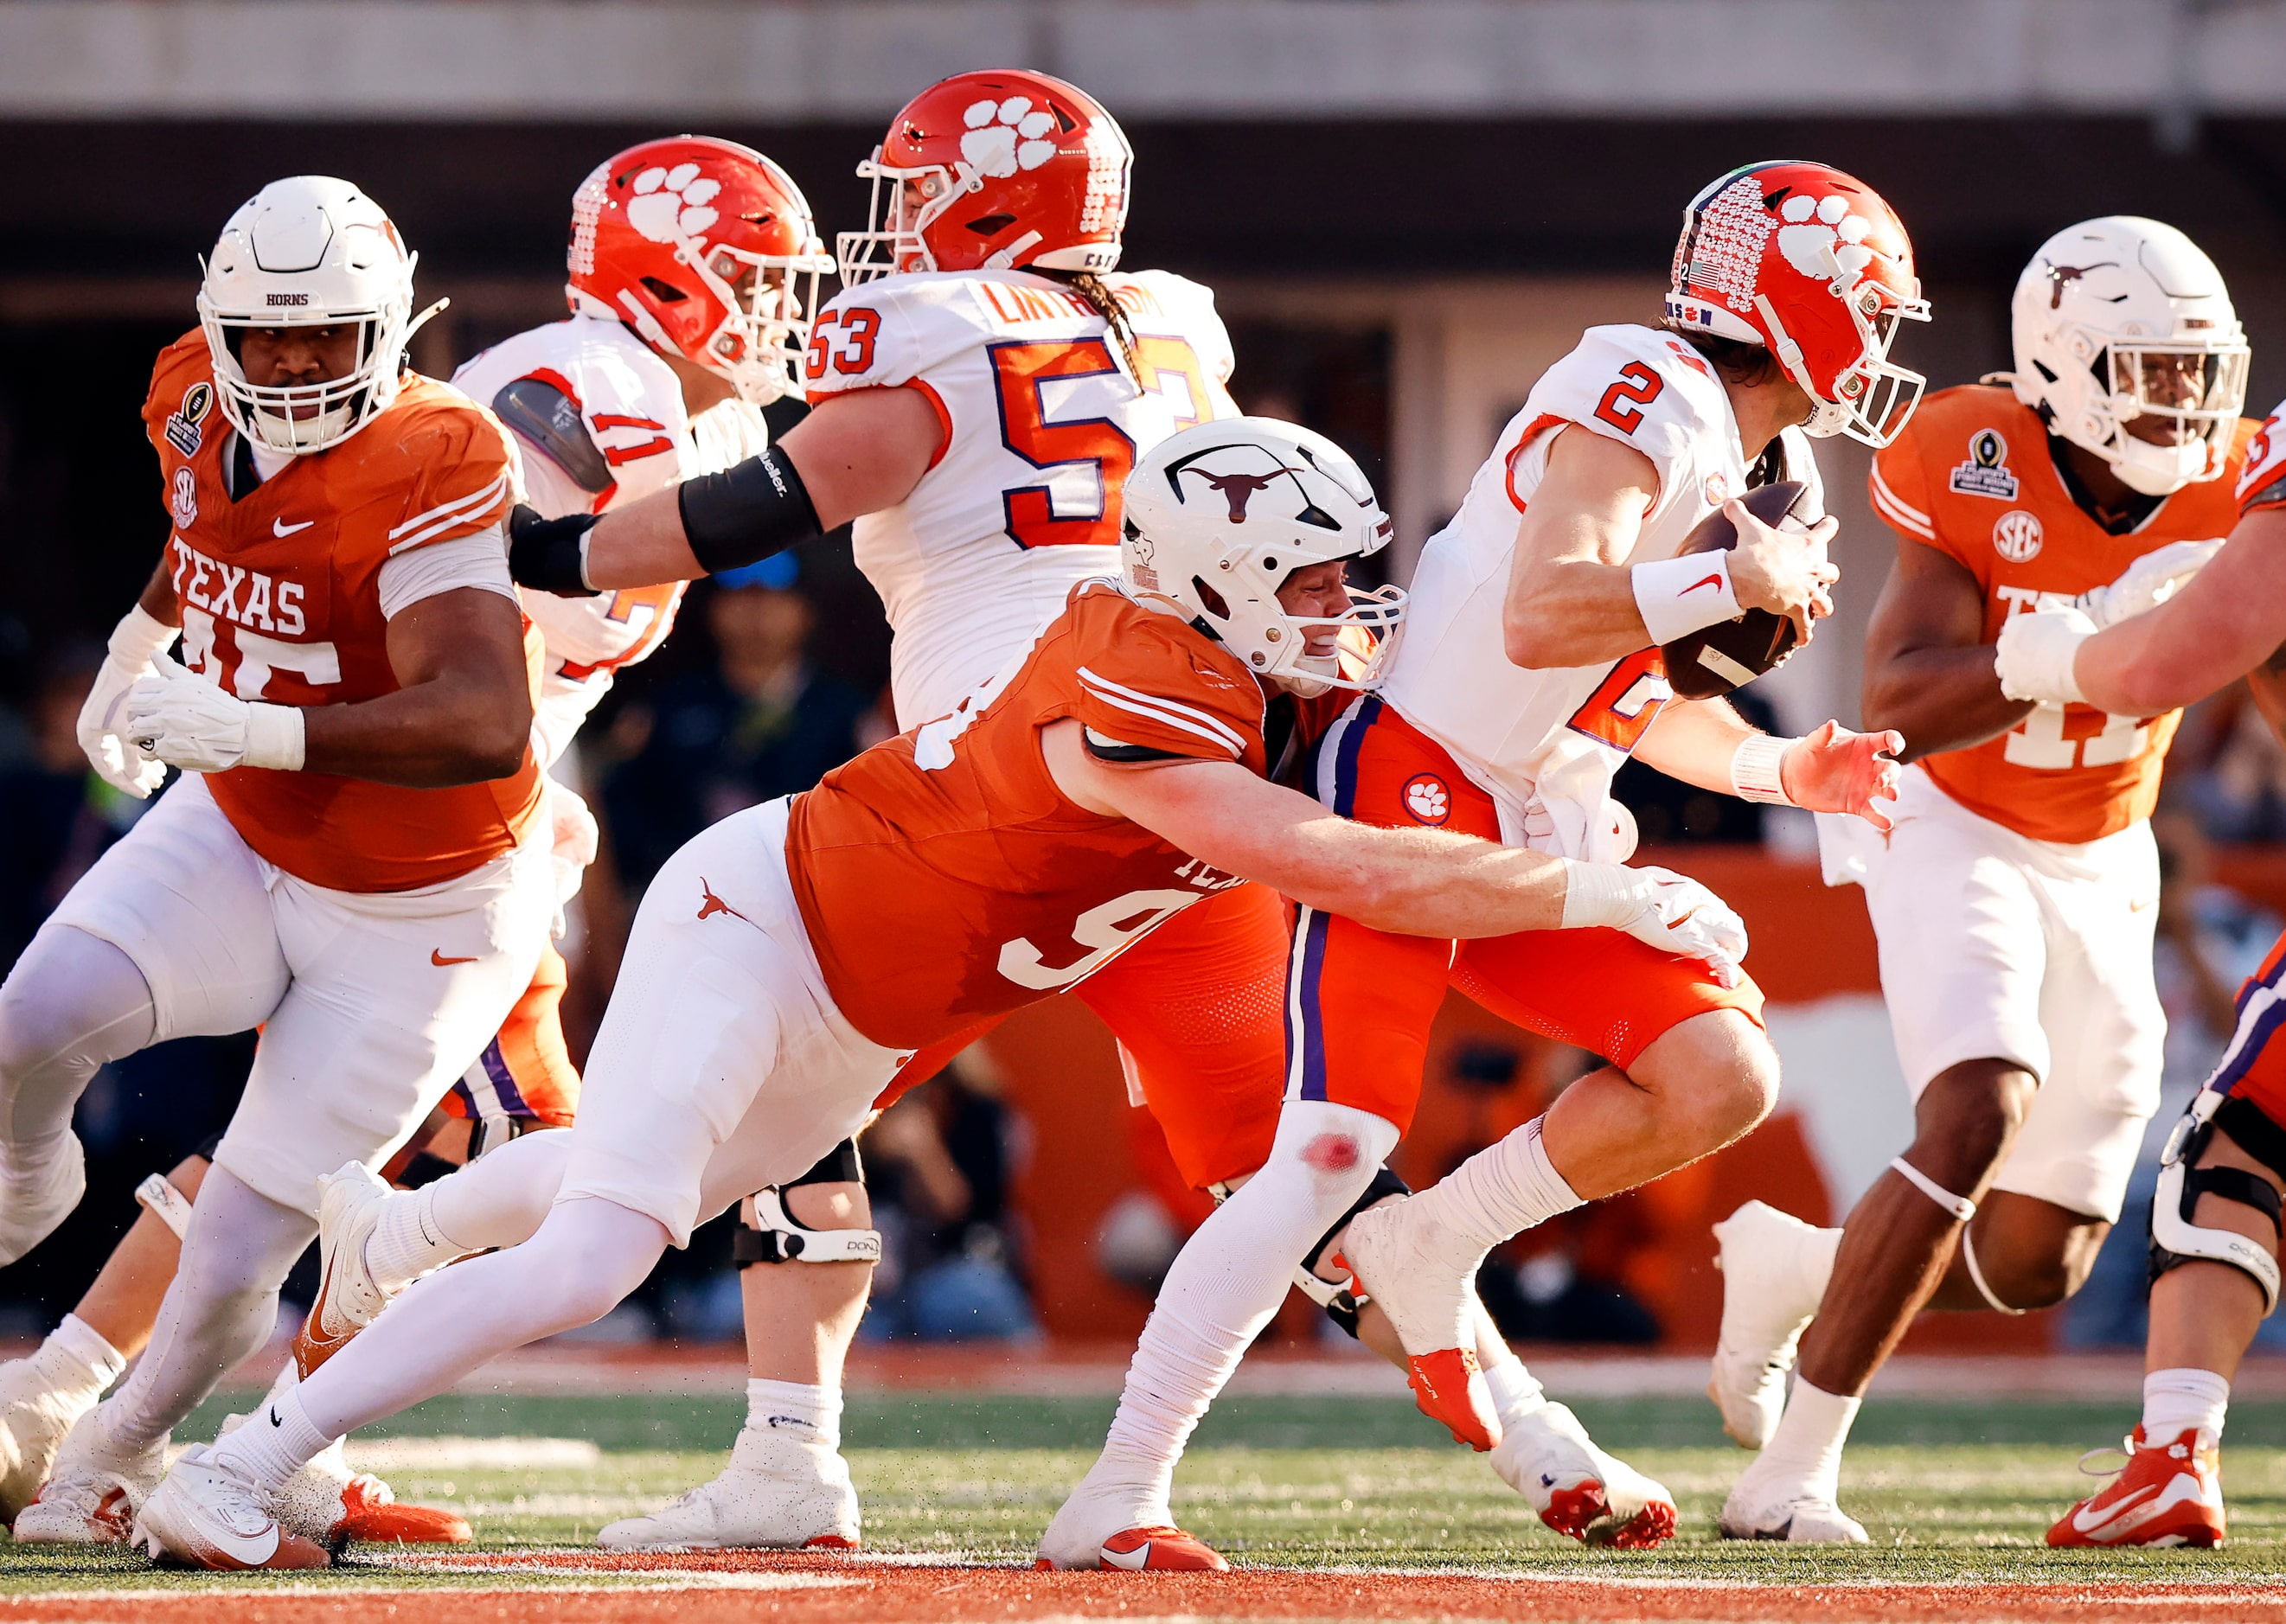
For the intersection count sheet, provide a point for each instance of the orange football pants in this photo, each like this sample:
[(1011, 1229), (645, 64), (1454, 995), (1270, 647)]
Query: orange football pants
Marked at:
[(1362, 1001), (526, 1070)]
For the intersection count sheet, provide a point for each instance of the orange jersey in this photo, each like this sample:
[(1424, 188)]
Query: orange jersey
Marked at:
[(281, 600), (943, 876), (1972, 476)]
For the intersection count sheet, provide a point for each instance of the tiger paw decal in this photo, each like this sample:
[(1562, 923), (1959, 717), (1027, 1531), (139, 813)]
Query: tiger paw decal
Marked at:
[(671, 204), (1004, 137)]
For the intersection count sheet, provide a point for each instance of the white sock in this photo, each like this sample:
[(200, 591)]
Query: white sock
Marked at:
[(794, 1413), (1501, 1191), (2176, 1400), (1807, 1447), (1515, 1395), (75, 1355), (273, 1444), (498, 1199), (406, 1242)]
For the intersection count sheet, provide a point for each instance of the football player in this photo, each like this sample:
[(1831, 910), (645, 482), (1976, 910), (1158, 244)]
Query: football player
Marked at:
[(2215, 1216), (786, 964), (2027, 1022), (356, 859), (674, 343)]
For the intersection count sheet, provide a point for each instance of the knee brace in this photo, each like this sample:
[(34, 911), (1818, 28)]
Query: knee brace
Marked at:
[(158, 1193), (1342, 1300), (2175, 1238), (777, 1236)]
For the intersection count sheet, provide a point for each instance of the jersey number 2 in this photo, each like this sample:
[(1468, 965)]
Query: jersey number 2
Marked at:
[(1020, 374), (1622, 404)]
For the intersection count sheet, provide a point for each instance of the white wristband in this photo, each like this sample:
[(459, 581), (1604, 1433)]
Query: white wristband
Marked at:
[(586, 536), (1679, 596), (1599, 893), (140, 635), (274, 738), (2036, 655), (1756, 770)]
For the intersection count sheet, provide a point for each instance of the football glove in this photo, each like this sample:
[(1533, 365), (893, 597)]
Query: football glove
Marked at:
[(1658, 908), (573, 839), (134, 640), (182, 718), (2147, 583), (2035, 656)]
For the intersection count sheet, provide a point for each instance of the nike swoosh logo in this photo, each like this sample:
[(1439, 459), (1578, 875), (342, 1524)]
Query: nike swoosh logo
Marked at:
[(280, 527), (1712, 580), (273, 1417), (2082, 1523), (437, 957)]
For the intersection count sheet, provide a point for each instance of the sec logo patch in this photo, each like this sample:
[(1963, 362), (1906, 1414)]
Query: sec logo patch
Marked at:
[(2016, 536), (185, 501), (1427, 799)]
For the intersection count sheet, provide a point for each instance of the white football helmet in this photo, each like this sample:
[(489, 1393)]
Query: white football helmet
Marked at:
[(309, 251), (1218, 516), (2123, 319)]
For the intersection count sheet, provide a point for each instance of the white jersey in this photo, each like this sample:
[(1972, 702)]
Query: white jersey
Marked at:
[(597, 422), (1041, 425), (1545, 744)]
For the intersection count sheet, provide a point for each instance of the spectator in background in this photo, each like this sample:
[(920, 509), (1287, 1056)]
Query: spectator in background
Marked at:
[(761, 720)]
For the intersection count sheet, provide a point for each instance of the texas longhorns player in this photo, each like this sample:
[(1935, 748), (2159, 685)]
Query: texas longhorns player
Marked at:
[(2025, 1015), (2215, 1216), (674, 344), (356, 859), (789, 961)]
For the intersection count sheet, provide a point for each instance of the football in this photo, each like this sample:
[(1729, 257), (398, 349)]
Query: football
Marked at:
[(1730, 654)]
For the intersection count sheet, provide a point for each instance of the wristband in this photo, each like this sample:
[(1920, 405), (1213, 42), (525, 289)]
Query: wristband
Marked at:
[(275, 738), (1755, 769), (2035, 656), (1599, 893), (747, 513), (550, 555), (140, 635), (1679, 596)]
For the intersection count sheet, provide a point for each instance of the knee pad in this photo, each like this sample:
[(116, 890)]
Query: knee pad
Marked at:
[(777, 1236), (2175, 1238), (1342, 1301)]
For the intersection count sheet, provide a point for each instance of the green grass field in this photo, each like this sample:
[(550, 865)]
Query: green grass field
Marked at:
[(1949, 1491)]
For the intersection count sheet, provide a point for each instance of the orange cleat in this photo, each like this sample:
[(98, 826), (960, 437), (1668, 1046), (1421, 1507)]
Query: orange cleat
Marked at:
[(2168, 1494), (1162, 1551), (1449, 1386), (371, 1511)]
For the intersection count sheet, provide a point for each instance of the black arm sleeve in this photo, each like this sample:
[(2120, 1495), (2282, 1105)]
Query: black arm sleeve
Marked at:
[(550, 555), (747, 513)]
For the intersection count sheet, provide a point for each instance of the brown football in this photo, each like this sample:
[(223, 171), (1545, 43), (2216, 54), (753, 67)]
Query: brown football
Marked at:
[(1730, 654)]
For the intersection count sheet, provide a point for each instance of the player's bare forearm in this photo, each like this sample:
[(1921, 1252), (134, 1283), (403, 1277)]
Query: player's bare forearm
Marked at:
[(641, 545), (158, 600), (1570, 599), (463, 714), (2229, 619), (1695, 741), (1928, 670), (2267, 685)]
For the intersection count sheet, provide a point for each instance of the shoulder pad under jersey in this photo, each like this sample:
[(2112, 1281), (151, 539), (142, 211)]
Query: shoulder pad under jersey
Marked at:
[(548, 420)]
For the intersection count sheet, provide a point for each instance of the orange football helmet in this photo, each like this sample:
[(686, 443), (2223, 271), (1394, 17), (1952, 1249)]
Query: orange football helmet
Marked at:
[(990, 171), (707, 250), (1812, 264)]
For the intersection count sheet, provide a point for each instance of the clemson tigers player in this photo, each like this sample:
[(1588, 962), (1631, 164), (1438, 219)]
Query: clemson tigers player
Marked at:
[(2026, 1019), (789, 961), (659, 373), (2215, 1215), (356, 859)]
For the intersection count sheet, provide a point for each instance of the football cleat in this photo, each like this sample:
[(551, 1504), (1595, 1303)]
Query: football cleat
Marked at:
[(206, 1516), (30, 1210), (1578, 1490), (328, 1505), (1407, 1262), (1793, 1513), (1767, 1302), (1161, 1551), (89, 1499), (771, 1500), (2168, 1494), (35, 1413), (348, 1297)]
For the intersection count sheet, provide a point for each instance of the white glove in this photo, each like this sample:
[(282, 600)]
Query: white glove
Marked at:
[(134, 640), (573, 839), (2034, 657), (2147, 583), (185, 720), (1658, 908)]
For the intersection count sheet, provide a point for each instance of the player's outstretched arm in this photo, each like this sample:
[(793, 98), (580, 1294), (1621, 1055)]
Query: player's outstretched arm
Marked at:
[(1928, 670), (1828, 769), (1420, 882), (2230, 619), (855, 453)]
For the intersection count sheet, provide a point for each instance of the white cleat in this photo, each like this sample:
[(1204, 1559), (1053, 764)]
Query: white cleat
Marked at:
[(30, 1212), (88, 1498), (796, 1498), (35, 1414), (1768, 1299), (1793, 1513), (327, 1504), (206, 1516), (348, 1297), (1424, 1278), (1578, 1490)]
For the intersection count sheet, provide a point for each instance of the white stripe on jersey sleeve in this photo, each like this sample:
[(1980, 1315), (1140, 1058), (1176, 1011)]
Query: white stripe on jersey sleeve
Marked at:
[(1167, 710)]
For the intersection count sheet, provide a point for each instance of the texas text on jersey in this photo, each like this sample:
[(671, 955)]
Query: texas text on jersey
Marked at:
[(281, 590), (1004, 890), (1972, 476), (1040, 422)]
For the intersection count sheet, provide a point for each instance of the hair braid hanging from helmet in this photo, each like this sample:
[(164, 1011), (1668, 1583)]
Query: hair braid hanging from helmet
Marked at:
[(1097, 294)]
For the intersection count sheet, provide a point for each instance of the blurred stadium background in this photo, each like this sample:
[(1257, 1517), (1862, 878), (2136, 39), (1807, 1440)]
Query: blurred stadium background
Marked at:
[(1409, 208)]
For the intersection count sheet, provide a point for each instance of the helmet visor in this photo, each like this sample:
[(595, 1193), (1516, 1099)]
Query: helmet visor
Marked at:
[(2173, 394)]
